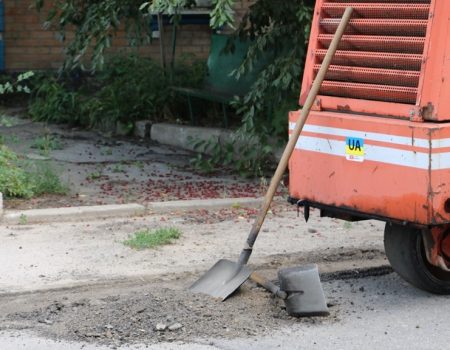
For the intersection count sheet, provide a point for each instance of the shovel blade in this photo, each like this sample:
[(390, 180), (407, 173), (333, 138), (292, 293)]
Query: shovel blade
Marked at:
[(222, 280), (305, 292)]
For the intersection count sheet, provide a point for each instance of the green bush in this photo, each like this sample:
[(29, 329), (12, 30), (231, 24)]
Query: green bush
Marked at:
[(133, 88), (21, 179), (45, 144), (52, 101), (44, 179), (14, 88), (282, 28), (129, 88), (189, 72), (13, 179)]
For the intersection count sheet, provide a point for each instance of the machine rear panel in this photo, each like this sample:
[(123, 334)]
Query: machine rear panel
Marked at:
[(386, 58), (372, 144)]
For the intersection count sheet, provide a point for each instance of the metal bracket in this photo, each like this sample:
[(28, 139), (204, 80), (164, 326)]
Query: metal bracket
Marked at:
[(306, 210)]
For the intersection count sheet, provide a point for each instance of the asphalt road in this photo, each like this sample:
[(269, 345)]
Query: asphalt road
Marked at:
[(373, 313)]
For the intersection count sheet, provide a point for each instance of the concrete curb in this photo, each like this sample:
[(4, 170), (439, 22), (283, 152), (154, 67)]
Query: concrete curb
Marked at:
[(73, 213), (183, 136), (207, 204), (36, 216)]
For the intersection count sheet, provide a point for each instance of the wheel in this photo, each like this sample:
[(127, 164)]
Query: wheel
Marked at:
[(405, 251)]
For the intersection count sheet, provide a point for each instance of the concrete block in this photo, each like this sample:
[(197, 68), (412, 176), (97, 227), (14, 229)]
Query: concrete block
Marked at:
[(142, 129), (123, 129), (183, 137)]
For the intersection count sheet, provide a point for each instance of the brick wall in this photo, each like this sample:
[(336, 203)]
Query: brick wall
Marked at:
[(241, 7), (29, 46)]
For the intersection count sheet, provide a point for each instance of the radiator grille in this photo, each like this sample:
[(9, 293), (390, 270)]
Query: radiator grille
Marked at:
[(381, 53)]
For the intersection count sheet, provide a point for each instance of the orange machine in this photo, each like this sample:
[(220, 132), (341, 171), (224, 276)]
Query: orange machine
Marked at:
[(377, 144)]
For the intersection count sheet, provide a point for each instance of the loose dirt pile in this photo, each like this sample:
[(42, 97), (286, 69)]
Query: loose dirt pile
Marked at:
[(116, 314), (156, 315)]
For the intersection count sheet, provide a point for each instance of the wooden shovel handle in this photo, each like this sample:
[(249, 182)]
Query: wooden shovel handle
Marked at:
[(268, 285), (282, 165)]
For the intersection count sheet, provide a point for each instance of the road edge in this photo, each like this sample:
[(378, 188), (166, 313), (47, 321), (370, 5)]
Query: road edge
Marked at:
[(35, 216)]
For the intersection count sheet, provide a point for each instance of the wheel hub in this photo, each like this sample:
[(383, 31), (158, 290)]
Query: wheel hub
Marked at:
[(437, 246), (445, 247)]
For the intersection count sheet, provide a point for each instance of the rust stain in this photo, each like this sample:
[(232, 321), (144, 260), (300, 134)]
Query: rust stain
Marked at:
[(428, 112), (439, 216), (430, 195), (345, 108)]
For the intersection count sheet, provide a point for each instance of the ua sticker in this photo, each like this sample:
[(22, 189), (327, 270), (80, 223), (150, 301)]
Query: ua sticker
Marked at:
[(354, 149)]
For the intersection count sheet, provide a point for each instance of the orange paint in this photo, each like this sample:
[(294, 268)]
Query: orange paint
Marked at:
[(372, 143), (409, 192), (394, 59)]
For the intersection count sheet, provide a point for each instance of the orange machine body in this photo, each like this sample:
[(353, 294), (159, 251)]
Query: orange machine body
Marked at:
[(377, 143)]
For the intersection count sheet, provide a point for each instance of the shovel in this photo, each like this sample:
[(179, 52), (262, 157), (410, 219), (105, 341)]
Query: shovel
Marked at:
[(299, 288), (226, 276)]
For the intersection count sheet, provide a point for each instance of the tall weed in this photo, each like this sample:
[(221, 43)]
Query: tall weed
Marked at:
[(25, 179), (53, 102)]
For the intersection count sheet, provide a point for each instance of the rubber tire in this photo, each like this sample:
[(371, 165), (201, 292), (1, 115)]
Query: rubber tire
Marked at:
[(405, 251)]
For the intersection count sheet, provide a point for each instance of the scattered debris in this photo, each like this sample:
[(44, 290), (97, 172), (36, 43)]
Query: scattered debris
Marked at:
[(160, 327), (175, 327)]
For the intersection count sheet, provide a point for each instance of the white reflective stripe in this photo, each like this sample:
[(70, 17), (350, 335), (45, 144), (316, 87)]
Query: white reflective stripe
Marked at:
[(372, 153), (398, 140), (440, 161), (440, 143), (419, 160), (388, 155)]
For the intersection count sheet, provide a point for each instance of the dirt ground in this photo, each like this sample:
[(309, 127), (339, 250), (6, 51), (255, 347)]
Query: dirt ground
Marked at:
[(60, 254), (75, 285), (163, 311), (375, 311), (99, 169), (78, 281)]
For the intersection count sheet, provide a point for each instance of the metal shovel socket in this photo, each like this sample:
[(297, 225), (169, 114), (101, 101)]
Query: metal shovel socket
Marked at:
[(268, 285), (225, 277)]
